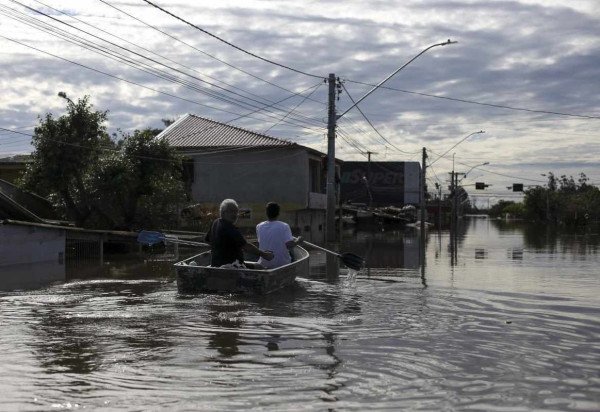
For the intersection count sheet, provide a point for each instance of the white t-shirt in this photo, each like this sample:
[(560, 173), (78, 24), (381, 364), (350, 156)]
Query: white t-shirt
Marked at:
[(273, 235)]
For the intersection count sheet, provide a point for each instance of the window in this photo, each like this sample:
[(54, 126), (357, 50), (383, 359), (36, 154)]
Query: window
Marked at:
[(314, 170)]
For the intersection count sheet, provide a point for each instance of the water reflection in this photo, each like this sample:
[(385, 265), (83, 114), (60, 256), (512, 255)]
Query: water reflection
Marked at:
[(515, 253), (386, 249), (225, 339), (515, 330), (70, 327), (480, 253), (62, 345)]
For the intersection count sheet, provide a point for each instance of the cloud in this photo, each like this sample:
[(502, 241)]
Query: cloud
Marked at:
[(530, 54)]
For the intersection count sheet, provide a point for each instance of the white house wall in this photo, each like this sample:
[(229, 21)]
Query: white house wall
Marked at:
[(30, 256), (253, 177)]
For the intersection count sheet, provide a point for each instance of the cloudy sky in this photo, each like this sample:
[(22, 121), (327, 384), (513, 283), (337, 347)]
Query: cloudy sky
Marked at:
[(527, 72)]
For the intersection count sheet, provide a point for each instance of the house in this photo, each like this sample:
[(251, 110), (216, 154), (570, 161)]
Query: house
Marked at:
[(16, 203), (12, 168), (381, 183), (252, 168)]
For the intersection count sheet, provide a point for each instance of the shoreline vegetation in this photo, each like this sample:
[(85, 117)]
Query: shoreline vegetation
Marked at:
[(562, 201)]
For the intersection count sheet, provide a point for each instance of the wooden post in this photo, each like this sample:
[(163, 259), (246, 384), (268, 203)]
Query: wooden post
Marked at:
[(423, 201), (330, 189), (102, 249)]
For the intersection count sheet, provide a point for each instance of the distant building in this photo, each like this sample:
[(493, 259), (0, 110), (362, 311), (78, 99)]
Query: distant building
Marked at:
[(381, 183), (253, 169), (12, 168)]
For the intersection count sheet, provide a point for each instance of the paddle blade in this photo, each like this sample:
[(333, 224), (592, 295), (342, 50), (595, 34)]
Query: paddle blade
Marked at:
[(147, 237), (353, 261)]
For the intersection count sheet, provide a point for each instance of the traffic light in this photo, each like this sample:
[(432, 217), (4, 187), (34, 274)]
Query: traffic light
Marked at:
[(517, 187), (480, 186)]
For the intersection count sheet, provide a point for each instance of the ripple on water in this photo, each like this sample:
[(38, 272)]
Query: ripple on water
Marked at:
[(387, 345)]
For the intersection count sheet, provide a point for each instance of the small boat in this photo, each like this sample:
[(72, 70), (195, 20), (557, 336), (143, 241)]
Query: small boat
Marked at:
[(195, 275)]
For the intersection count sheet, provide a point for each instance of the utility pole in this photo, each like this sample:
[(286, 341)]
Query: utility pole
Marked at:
[(423, 201), (369, 168), (455, 198), (423, 217), (332, 119), (330, 188), (452, 190), (369, 178), (439, 187)]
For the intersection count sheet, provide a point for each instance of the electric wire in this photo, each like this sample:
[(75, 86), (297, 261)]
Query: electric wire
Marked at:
[(489, 171), (359, 130), (231, 44), (295, 107), (104, 148), (459, 142), (217, 124), (154, 71), (499, 106), (148, 50), (123, 79), (370, 123), (199, 50)]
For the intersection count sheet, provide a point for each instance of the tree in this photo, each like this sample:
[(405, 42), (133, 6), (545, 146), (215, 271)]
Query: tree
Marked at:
[(131, 182), (66, 151), (499, 208), (140, 185), (564, 201)]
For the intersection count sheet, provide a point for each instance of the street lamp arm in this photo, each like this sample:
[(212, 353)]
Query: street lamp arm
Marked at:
[(460, 141), (396, 71), (64, 96), (482, 164)]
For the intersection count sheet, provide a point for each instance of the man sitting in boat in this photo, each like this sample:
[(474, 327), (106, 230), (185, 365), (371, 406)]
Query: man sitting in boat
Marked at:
[(276, 236), (227, 243)]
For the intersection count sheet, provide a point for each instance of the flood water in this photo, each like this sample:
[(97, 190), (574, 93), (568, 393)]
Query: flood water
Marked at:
[(502, 316)]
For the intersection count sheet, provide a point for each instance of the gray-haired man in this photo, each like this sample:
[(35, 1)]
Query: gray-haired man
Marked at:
[(226, 241)]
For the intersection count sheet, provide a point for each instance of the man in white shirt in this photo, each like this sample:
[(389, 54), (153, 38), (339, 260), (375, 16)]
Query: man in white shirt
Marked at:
[(275, 236)]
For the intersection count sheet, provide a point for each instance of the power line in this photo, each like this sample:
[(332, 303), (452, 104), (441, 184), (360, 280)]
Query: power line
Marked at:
[(459, 142), (153, 71), (499, 106), (295, 107), (201, 51), (370, 123), (231, 44), (208, 153), (242, 116), (122, 79), (148, 50), (489, 171)]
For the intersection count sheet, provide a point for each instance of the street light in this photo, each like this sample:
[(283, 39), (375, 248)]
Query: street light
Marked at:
[(64, 96), (483, 164), (446, 43), (332, 119), (459, 142)]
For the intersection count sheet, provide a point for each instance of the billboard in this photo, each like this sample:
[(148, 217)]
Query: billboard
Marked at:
[(380, 183)]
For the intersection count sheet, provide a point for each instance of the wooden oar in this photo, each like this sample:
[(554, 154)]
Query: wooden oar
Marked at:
[(349, 259), (148, 237)]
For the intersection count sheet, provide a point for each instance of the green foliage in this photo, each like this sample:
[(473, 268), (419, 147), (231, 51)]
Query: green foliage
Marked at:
[(129, 183), (142, 182), (66, 150), (515, 210), (564, 201), (507, 206)]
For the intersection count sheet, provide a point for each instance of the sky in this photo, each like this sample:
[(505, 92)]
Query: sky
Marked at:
[(526, 72)]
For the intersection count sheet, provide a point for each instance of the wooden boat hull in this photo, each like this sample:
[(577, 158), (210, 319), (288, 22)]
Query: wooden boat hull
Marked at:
[(194, 275)]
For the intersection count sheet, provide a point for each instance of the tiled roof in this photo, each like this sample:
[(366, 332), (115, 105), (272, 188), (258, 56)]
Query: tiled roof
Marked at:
[(192, 131)]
